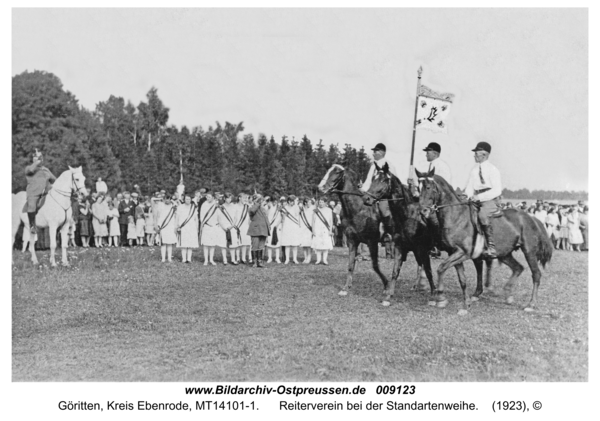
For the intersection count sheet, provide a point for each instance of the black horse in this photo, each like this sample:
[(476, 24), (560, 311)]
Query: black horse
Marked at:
[(513, 230), (360, 222), (411, 232)]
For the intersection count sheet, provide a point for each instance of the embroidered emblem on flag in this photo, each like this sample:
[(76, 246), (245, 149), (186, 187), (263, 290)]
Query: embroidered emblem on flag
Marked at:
[(433, 110)]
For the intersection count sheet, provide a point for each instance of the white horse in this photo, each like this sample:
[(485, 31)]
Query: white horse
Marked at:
[(54, 214)]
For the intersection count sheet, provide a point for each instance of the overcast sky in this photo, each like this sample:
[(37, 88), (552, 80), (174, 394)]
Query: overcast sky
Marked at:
[(520, 77)]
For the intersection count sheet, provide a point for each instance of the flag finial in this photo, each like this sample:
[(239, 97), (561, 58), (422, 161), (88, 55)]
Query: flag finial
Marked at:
[(420, 71)]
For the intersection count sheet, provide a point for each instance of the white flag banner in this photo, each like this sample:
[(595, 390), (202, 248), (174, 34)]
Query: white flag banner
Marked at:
[(432, 110)]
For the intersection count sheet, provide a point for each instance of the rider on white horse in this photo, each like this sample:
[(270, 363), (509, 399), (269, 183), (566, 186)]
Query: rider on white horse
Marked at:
[(39, 181)]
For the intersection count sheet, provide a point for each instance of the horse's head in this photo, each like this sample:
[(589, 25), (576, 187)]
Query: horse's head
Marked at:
[(333, 179), (380, 185), (78, 181), (429, 194)]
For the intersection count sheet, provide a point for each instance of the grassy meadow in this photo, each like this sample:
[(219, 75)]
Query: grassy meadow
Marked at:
[(122, 315)]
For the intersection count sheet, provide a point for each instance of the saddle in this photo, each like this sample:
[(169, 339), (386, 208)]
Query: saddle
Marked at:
[(40, 202)]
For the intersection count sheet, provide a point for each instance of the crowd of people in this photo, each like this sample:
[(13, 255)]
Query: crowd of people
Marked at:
[(211, 221), (567, 224)]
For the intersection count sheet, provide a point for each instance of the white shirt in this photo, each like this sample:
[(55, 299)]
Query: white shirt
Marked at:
[(491, 178), (101, 187), (441, 168), (371, 173)]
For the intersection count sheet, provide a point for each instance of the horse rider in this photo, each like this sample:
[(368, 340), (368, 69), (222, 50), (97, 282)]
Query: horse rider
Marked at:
[(39, 181), (485, 186), (384, 209), (432, 154)]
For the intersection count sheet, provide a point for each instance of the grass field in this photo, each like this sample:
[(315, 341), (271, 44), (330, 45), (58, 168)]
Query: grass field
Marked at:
[(121, 315)]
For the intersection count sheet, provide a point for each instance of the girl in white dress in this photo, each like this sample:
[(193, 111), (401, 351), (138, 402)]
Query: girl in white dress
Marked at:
[(233, 238), (306, 212), (322, 223), (187, 229), (114, 230), (212, 230), (165, 225), (99, 220), (290, 229), (242, 224), (274, 240), (553, 226), (575, 237)]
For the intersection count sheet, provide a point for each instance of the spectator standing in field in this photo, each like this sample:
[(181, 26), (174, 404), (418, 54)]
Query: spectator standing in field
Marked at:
[(575, 237), (553, 226), (242, 224), (187, 228), (273, 240), (114, 232), (85, 216), (305, 213), (101, 187), (149, 218), (99, 220), (584, 226), (322, 223), (564, 230), (232, 235), (258, 228), (165, 226), (212, 230), (541, 213), (290, 230), (140, 223), (126, 209)]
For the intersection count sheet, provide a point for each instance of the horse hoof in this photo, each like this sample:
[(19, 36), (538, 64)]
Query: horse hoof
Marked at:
[(529, 309), (462, 312), (431, 303), (343, 293), (442, 304), (385, 303), (510, 300), (474, 298)]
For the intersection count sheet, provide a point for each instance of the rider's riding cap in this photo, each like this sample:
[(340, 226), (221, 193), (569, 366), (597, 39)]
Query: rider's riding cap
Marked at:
[(433, 147), (483, 146), (379, 147)]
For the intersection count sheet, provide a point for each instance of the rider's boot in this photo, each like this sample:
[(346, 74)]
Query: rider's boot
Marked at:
[(259, 258), (388, 227), (32, 226), (488, 231), (434, 226)]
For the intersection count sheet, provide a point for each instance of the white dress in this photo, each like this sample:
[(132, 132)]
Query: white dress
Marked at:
[(167, 220), (230, 212), (290, 228), (305, 231), (99, 214), (212, 221), (243, 222), (321, 236), (274, 216), (114, 228), (188, 236)]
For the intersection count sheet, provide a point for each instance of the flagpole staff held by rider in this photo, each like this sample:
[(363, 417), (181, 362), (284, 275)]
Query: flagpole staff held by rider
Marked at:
[(39, 181)]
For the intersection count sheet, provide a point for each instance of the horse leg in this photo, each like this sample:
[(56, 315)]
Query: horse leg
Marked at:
[(399, 257), (462, 280), (479, 290), (64, 242), (352, 247), (26, 236), (32, 240), (426, 262), (488, 276), (510, 261), (536, 275), (457, 257), (52, 232), (374, 251)]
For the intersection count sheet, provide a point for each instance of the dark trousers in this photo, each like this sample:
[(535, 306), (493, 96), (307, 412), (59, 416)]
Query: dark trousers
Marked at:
[(123, 233), (258, 242)]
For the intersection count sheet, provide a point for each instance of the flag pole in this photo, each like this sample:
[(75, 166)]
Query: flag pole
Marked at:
[(411, 171)]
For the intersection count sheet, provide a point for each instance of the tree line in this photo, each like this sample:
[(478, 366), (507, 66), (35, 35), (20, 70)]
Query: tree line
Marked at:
[(127, 145)]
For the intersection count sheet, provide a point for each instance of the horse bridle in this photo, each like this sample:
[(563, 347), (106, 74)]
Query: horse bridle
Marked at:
[(435, 207), (66, 194)]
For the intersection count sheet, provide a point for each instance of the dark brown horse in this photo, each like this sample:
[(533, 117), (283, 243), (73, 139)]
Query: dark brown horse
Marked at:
[(360, 222), (411, 233), (513, 230)]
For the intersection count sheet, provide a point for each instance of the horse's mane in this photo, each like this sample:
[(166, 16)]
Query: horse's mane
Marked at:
[(448, 189)]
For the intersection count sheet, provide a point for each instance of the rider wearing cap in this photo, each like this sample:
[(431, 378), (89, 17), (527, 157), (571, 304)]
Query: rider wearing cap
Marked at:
[(432, 154), (39, 181), (485, 185), (384, 208)]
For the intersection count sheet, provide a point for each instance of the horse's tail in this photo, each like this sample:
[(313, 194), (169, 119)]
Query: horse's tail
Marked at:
[(545, 247)]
